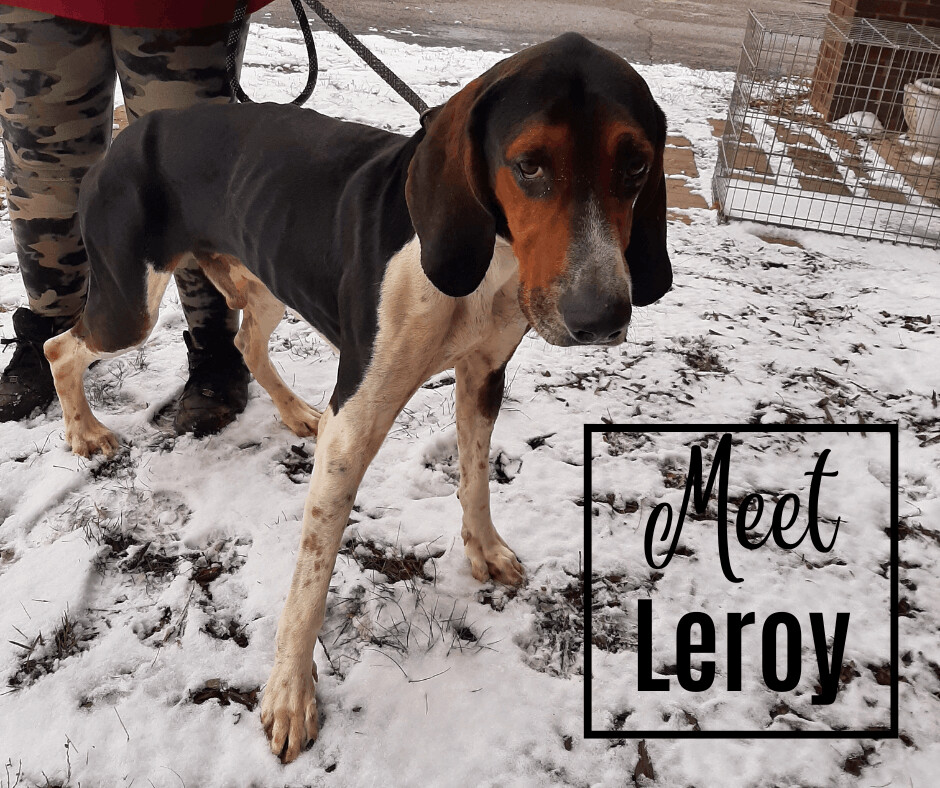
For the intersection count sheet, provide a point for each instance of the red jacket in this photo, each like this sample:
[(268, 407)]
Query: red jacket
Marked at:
[(160, 14)]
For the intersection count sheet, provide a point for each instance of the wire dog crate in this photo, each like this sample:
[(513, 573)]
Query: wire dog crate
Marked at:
[(834, 125)]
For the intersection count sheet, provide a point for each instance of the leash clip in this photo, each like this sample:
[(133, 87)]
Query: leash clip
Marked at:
[(424, 116)]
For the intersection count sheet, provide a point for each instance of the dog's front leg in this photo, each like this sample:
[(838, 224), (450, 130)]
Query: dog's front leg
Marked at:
[(480, 382), (347, 442)]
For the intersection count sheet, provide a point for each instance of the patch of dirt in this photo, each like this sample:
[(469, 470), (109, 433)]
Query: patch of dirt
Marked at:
[(791, 415), (619, 443), (611, 627), (691, 720), (616, 503), (644, 765), (700, 355), (854, 764), (120, 535), (440, 382), (147, 629), (556, 644), (118, 465), (908, 527), (207, 565), (395, 618), (927, 430), (216, 689), (297, 463), (770, 238), (577, 380), (446, 465), (620, 719), (149, 560), (343, 630), (779, 709), (539, 440), (222, 558), (619, 505), (882, 674), (156, 561), (497, 597), (674, 478), (505, 468), (847, 675), (390, 561), (43, 655), (227, 630)]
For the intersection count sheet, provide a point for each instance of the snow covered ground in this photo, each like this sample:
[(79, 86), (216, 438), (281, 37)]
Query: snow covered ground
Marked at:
[(139, 597)]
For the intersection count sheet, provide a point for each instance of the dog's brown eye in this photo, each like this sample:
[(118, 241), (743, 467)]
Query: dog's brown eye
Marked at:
[(529, 170), (636, 170)]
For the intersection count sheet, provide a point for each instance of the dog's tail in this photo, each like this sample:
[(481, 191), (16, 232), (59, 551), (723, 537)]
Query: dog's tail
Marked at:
[(155, 201), (123, 204), (124, 215)]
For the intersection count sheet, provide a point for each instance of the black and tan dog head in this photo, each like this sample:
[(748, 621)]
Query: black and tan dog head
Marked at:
[(558, 149)]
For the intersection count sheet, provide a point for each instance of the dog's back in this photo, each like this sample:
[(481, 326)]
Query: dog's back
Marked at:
[(261, 183)]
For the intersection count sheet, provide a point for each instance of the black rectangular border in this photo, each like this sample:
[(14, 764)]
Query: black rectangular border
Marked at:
[(878, 733)]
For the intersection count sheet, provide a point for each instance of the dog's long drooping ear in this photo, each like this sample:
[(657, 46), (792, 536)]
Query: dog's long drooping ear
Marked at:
[(446, 192), (646, 254)]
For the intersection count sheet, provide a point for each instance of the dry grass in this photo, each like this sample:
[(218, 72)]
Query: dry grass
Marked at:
[(43, 655)]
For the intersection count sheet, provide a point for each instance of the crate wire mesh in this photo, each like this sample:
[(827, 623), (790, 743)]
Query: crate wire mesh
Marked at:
[(825, 131)]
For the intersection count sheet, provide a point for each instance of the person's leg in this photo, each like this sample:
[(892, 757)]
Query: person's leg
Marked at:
[(56, 96), (169, 69)]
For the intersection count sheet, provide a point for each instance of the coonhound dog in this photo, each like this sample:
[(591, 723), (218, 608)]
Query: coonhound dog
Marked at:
[(533, 198)]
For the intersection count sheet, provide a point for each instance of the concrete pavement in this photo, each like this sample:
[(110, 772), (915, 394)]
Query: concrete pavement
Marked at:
[(696, 33)]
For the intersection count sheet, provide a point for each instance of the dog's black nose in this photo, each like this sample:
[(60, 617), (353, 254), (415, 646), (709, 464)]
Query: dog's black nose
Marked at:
[(591, 320)]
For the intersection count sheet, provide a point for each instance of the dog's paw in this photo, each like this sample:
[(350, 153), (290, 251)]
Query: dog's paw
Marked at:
[(289, 710), (494, 560), (93, 438), (301, 419)]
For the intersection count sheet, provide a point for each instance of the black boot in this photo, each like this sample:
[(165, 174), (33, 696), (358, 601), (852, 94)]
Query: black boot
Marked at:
[(217, 389), (26, 383)]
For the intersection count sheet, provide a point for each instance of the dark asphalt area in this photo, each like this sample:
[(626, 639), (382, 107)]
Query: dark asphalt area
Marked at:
[(695, 33)]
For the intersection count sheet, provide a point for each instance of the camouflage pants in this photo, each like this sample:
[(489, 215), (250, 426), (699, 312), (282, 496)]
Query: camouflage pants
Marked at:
[(56, 115)]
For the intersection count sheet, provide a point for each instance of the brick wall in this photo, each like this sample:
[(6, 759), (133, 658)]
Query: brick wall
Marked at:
[(917, 12), (848, 79)]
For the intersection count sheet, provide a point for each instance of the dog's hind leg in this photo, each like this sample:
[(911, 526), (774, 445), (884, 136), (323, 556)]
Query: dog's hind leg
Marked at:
[(69, 356), (260, 317), (93, 337), (261, 313)]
